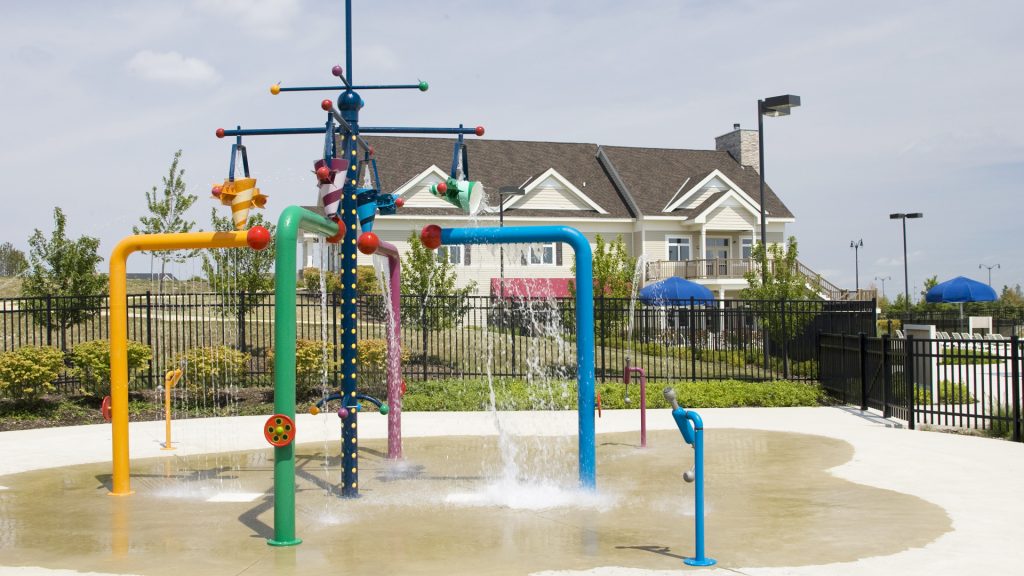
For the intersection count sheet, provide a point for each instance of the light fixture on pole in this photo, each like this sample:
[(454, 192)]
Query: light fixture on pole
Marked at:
[(774, 106), (996, 266), (502, 193), (883, 279), (906, 278), (856, 245)]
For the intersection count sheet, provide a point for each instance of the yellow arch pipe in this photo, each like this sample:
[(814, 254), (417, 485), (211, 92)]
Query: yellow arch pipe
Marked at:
[(119, 328)]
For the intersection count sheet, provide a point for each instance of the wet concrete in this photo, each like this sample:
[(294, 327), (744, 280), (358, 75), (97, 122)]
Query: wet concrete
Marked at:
[(771, 502)]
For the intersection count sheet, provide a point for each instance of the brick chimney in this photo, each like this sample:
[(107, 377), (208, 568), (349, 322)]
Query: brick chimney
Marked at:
[(741, 145)]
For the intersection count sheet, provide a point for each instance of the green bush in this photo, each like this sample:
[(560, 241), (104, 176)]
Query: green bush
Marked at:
[(310, 366), (210, 367), (445, 395), (949, 393), (90, 363), (29, 372), (1001, 425), (963, 356), (366, 280)]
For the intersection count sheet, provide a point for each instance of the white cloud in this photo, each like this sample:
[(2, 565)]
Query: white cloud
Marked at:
[(172, 68), (262, 17)]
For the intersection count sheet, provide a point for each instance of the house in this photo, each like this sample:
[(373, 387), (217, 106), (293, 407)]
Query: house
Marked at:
[(690, 213)]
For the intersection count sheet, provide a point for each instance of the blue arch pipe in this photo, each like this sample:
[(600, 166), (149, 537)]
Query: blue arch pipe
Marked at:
[(362, 130), (584, 317), (691, 426)]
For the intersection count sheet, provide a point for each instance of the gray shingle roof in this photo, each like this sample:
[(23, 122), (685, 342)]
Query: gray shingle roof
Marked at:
[(652, 175)]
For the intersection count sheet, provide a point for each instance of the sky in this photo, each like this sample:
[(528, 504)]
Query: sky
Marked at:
[(907, 106)]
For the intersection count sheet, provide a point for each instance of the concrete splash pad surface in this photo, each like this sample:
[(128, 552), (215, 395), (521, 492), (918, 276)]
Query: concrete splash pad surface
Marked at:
[(771, 502)]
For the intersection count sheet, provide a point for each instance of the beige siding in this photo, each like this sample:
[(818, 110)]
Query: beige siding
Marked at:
[(548, 197), (730, 216)]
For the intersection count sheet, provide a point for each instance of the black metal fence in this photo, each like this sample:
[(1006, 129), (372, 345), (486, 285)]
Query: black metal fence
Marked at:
[(1005, 322), (956, 383), (476, 336)]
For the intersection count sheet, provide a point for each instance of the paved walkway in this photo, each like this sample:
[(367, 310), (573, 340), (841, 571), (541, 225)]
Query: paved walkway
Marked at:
[(977, 481)]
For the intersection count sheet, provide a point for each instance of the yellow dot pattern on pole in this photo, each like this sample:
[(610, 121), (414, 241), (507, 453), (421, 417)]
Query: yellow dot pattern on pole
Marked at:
[(352, 376), (355, 454), (353, 240), (353, 287), (353, 316), (352, 440), (353, 300), (353, 182), (353, 151), (353, 330), (353, 139), (353, 426), (353, 394), (354, 470), (353, 346), (353, 226), (353, 484)]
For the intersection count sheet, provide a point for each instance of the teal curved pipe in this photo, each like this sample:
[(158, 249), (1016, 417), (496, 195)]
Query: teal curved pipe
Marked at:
[(584, 317)]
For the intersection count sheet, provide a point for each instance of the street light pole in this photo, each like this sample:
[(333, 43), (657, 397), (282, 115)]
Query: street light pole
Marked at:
[(856, 245), (906, 275), (774, 106), (883, 279), (996, 266)]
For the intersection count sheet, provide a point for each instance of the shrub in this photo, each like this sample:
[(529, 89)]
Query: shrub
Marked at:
[(91, 363), (310, 366), (206, 368), (439, 395), (883, 325), (29, 372), (949, 393), (963, 356), (1001, 424), (366, 280)]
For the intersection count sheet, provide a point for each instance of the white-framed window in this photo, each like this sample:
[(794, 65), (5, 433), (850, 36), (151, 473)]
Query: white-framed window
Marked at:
[(538, 255), (678, 248), (746, 248), (452, 254)]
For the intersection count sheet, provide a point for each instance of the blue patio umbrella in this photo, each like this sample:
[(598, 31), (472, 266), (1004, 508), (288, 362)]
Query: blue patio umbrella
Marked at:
[(959, 290), (673, 291)]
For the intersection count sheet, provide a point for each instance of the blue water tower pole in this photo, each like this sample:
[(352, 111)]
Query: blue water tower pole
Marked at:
[(692, 428)]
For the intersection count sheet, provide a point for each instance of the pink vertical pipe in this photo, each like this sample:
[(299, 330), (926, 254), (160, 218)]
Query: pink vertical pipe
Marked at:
[(394, 352), (643, 399)]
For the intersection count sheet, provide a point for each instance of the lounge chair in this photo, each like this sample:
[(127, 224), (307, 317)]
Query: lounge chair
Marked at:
[(899, 334), (956, 336)]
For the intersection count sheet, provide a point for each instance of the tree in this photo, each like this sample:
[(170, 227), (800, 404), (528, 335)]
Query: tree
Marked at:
[(12, 260), (59, 266), (432, 279), (166, 215), (243, 276), (783, 282), (614, 269)]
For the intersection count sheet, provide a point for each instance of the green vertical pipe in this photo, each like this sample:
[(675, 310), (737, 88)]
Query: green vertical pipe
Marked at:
[(293, 219)]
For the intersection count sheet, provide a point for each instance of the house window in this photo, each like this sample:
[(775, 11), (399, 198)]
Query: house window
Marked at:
[(678, 248), (746, 246), (538, 254), (451, 254)]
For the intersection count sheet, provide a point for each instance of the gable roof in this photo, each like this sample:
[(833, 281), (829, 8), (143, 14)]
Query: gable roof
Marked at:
[(652, 176), (499, 163)]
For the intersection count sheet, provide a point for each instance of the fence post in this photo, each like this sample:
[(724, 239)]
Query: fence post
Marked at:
[(908, 378), (603, 327), (785, 340), (862, 342), (1015, 376), (241, 320), (886, 376), (149, 335), (423, 333), (334, 332), (49, 320), (817, 356), (693, 339)]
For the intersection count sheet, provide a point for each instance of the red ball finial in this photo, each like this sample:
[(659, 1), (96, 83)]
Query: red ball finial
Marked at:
[(220, 132), (479, 130), (399, 202), (339, 236), (336, 71), (368, 243), (372, 151), (216, 190), (326, 104), (442, 188), (430, 236), (257, 238), (323, 173)]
